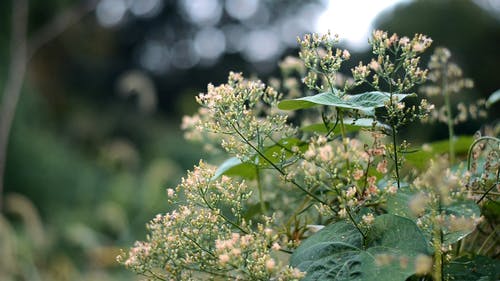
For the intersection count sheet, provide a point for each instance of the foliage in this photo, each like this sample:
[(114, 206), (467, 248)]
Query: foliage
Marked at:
[(342, 171)]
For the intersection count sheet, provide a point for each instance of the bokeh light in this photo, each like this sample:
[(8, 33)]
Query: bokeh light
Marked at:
[(201, 12), (354, 28), (111, 12), (241, 9)]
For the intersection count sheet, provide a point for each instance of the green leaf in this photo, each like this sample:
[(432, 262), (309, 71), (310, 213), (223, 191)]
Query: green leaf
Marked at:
[(459, 208), (337, 252), (398, 204), (234, 167), (494, 98), (365, 102), (351, 125), (479, 268), (426, 152)]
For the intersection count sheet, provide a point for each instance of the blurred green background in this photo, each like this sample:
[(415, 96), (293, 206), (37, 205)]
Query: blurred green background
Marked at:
[(96, 141)]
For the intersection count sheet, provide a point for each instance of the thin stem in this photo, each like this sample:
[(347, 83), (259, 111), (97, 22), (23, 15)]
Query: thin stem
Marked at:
[(226, 219), (396, 160), (487, 192), (340, 113), (14, 82), (157, 276), (22, 50), (365, 184), (438, 242), (261, 193), (492, 235), (356, 225), (469, 153), (451, 134)]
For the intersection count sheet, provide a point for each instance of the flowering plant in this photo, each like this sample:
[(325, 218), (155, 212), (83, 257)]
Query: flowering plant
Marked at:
[(319, 185)]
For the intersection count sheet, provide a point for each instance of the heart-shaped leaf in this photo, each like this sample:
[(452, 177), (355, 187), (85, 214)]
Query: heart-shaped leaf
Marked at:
[(337, 252), (365, 102), (458, 215)]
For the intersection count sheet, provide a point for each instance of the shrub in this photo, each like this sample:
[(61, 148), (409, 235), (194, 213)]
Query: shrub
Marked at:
[(321, 187)]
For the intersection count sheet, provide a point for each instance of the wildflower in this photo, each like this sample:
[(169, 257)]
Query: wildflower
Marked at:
[(404, 41), (223, 259), (346, 55), (325, 153), (170, 192), (392, 189), (270, 264), (418, 203), (368, 219), (351, 191), (383, 259), (374, 65), (342, 213), (382, 166), (358, 173), (423, 264), (371, 180)]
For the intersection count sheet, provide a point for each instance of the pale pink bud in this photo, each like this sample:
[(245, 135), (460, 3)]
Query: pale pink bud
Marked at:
[(346, 55), (224, 258)]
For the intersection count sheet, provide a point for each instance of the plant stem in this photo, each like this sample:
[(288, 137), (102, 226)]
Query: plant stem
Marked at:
[(261, 195), (356, 225), (22, 50), (492, 235), (340, 114), (438, 243), (451, 133), (396, 160), (14, 82), (471, 147)]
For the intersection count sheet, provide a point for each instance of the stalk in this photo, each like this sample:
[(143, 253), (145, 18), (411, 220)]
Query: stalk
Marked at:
[(438, 255), (261, 195), (343, 133), (396, 160), (451, 133), (437, 273)]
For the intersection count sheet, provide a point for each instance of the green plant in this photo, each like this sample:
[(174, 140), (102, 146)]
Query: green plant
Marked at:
[(332, 201)]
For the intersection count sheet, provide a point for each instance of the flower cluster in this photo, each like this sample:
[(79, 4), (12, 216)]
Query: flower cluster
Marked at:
[(396, 65), (349, 178), (436, 195), (243, 115), (322, 60), (396, 70), (207, 236), (447, 80)]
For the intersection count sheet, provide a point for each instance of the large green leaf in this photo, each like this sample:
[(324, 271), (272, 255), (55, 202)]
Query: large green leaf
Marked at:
[(479, 268), (337, 252), (365, 102), (398, 204), (421, 158)]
